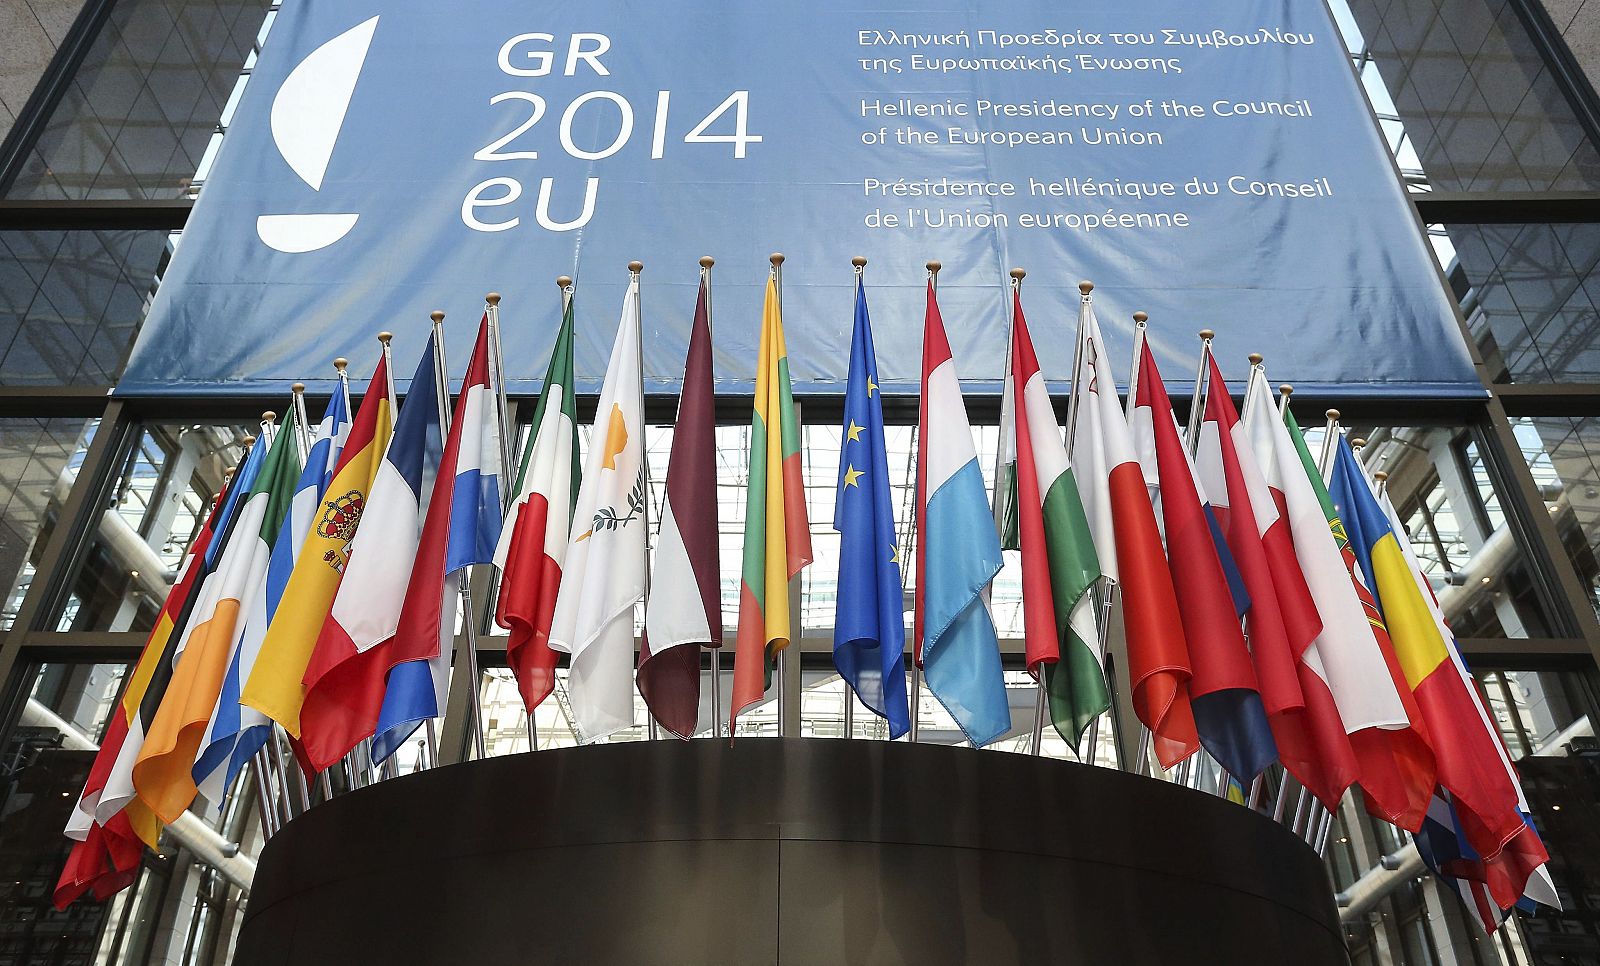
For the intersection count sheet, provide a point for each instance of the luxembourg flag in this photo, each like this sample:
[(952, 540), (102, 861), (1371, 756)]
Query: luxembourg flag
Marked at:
[(461, 529), (344, 682), (958, 555), (236, 731)]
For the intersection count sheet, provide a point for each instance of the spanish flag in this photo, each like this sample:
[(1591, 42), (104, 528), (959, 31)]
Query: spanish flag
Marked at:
[(777, 536), (274, 687), (1469, 763)]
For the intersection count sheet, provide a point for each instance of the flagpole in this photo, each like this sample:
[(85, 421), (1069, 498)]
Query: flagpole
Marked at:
[(634, 269), (1085, 306), (706, 261), (272, 761), (1036, 740), (916, 468), (776, 258), (297, 407), (442, 390), (1330, 435), (1256, 359), (497, 371), (1192, 440), (860, 264)]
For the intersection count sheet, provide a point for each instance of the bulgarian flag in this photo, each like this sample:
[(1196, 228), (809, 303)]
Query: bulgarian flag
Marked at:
[(1059, 564), (777, 536), (1128, 543), (533, 540)]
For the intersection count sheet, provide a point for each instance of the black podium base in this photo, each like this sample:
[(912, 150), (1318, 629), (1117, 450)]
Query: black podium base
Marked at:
[(785, 851)]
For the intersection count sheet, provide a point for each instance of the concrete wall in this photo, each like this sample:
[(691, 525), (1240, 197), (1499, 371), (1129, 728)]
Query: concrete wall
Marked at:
[(32, 30), (1579, 22)]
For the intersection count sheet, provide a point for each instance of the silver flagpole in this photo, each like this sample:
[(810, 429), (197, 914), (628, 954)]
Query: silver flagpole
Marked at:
[(706, 261), (1192, 440), (468, 619), (1329, 441), (302, 434), (860, 264), (913, 537), (1284, 392), (1141, 321), (777, 258), (634, 268)]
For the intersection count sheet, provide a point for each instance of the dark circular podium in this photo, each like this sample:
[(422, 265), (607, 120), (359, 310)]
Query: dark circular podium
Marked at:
[(785, 851)]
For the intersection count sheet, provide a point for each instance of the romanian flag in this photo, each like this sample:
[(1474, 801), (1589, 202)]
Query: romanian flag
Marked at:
[(1469, 757), (274, 686), (777, 536)]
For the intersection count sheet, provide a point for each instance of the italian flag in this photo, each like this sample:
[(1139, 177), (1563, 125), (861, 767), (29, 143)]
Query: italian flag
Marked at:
[(533, 541), (777, 536), (1059, 564)]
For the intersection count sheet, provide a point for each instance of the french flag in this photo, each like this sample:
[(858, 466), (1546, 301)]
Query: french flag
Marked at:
[(462, 528)]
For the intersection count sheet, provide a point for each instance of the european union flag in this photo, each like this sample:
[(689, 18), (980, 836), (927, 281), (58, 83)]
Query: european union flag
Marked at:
[(869, 633)]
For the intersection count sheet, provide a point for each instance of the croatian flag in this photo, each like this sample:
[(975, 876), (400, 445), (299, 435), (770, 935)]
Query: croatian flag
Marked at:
[(958, 555), (461, 529), (236, 731)]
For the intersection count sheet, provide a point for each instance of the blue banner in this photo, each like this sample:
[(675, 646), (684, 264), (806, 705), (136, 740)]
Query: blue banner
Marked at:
[(1214, 165)]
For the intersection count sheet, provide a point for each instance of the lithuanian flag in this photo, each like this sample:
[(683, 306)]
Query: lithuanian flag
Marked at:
[(777, 536)]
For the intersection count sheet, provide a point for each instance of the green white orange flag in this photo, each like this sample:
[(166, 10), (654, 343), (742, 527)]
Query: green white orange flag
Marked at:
[(1059, 565), (777, 536)]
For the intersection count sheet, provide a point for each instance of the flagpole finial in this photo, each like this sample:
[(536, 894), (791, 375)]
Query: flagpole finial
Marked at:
[(340, 364), (859, 262), (437, 316), (1379, 476), (1018, 274), (227, 474), (1206, 335), (1140, 318), (933, 268), (298, 388), (269, 417), (1332, 414), (636, 267), (493, 298), (1285, 390), (1255, 358), (247, 441), (1358, 443), (706, 261), (384, 337), (563, 281), (1086, 287), (776, 258)]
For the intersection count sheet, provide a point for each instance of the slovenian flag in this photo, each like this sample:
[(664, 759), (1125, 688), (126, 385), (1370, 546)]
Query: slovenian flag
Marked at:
[(344, 682), (462, 528), (958, 552)]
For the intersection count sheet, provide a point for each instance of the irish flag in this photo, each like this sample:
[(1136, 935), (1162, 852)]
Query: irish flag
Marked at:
[(1059, 564), (777, 536), (533, 541)]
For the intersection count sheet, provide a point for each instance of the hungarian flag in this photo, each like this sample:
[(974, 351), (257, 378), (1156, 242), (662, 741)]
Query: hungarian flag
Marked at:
[(1483, 792), (461, 528), (1059, 563), (163, 771), (1282, 623), (684, 612), (1128, 543), (958, 552), (533, 541), (777, 536), (605, 570), (1228, 713), (109, 830), (274, 686), (236, 732), (1397, 770), (345, 678)]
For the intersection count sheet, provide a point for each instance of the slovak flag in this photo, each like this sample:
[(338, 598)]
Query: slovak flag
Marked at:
[(462, 528)]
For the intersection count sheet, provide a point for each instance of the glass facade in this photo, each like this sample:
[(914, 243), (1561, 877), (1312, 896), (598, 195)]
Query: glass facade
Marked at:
[(1500, 500)]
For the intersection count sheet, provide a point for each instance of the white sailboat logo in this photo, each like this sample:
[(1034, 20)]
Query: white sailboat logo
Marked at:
[(306, 117)]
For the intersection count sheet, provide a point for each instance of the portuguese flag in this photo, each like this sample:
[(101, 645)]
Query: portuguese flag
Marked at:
[(777, 536), (1059, 565)]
